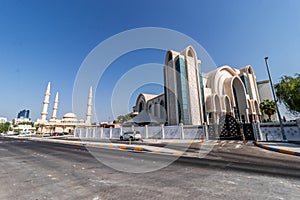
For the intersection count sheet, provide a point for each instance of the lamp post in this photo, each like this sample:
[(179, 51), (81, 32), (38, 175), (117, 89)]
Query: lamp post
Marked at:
[(275, 99)]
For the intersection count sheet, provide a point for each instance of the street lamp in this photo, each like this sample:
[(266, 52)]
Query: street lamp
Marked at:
[(275, 99)]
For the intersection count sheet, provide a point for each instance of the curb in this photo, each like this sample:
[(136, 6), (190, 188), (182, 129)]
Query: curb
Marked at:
[(110, 146), (294, 153)]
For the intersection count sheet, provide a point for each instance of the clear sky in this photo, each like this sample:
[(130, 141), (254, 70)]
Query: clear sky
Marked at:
[(45, 40)]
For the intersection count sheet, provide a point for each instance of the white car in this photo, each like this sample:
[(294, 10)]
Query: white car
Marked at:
[(132, 135)]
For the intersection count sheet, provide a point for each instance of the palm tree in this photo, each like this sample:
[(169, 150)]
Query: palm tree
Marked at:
[(268, 107)]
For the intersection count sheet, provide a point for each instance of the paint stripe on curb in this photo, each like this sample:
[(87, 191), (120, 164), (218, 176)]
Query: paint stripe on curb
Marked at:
[(277, 150), (110, 146)]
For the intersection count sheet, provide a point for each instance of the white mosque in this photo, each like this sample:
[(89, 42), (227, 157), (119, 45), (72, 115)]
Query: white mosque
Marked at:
[(192, 97), (69, 121)]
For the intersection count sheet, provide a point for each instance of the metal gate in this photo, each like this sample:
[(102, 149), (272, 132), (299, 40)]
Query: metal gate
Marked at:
[(230, 129)]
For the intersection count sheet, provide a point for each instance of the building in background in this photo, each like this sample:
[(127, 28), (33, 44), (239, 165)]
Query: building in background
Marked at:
[(3, 120), (192, 97), (264, 90), (23, 114), (69, 121)]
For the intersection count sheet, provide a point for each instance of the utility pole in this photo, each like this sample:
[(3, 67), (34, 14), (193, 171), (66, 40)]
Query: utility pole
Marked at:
[(275, 99)]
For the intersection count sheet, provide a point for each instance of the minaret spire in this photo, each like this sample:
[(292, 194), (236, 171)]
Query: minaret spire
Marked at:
[(89, 107), (46, 103), (55, 107)]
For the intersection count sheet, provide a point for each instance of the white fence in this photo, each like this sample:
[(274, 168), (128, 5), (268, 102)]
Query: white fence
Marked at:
[(147, 132), (272, 131), (262, 132)]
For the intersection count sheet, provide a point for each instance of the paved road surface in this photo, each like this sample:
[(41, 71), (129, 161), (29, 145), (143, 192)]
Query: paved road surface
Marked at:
[(38, 170)]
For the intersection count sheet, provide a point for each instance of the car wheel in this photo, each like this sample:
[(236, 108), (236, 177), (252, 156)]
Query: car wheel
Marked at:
[(121, 138)]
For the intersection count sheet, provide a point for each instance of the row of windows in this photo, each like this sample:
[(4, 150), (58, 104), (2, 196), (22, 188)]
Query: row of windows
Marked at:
[(182, 92)]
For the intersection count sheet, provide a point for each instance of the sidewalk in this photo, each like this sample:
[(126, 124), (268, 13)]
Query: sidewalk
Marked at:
[(281, 147)]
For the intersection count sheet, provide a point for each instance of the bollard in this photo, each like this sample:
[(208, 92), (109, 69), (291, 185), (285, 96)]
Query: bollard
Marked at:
[(267, 137)]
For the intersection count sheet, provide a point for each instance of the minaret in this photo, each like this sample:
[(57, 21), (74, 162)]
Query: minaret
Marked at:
[(55, 106), (46, 103), (89, 108)]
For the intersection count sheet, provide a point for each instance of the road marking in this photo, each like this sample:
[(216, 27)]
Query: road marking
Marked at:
[(286, 151), (177, 153), (138, 148), (155, 151)]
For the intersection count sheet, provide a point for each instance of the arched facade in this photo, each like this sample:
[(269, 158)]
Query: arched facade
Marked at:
[(193, 98)]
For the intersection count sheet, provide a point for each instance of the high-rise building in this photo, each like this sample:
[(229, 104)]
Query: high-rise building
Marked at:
[(23, 114)]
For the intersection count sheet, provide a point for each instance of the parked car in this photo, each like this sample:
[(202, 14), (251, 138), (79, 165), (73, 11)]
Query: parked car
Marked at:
[(131, 135), (60, 133)]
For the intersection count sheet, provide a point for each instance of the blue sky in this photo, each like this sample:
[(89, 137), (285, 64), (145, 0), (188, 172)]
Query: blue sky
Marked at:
[(43, 41)]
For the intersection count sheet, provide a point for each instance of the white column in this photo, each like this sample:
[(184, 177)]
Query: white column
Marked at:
[(181, 130), (46, 103), (89, 107), (55, 107), (147, 133), (110, 132), (162, 131)]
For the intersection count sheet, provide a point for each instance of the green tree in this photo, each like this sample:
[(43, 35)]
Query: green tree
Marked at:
[(268, 107), (4, 127), (26, 123), (288, 93), (123, 118)]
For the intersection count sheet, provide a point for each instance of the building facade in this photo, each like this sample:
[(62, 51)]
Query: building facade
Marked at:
[(23, 114), (192, 97)]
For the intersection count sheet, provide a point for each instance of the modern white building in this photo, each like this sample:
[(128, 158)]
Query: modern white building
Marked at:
[(192, 97)]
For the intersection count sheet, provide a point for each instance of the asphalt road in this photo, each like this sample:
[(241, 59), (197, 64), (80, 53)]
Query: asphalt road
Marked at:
[(39, 170)]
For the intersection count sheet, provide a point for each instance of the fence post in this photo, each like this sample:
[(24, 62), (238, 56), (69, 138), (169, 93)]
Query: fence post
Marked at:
[(205, 130), (101, 132), (259, 131), (181, 130), (94, 132), (162, 131), (146, 130), (110, 132), (121, 130)]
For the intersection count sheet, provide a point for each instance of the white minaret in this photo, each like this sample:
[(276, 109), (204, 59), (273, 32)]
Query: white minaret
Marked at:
[(55, 107), (89, 107), (46, 103)]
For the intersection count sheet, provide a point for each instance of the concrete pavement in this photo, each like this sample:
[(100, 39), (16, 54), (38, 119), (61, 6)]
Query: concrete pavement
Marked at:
[(47, 170)]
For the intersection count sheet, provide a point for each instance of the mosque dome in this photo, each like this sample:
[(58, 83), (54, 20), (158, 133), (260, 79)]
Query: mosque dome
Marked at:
[(69, 117)]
